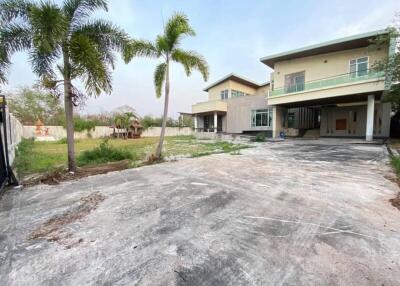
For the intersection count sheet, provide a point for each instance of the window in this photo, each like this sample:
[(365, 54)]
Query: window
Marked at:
[(261, 118), (359, 67), (224, 94), (236, 93), (294, 82)]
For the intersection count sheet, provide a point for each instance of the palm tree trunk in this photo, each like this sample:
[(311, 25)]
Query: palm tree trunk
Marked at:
[(164, 123), (69, 116)]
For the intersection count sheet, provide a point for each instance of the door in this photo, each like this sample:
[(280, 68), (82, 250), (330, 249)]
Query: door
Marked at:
[(219, 123)]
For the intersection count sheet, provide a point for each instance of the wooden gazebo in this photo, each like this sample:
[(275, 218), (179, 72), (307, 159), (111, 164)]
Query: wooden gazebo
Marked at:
[(134, 131)]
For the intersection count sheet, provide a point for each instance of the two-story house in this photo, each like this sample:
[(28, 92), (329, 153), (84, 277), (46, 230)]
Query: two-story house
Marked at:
[(235, 105), (329, 89)]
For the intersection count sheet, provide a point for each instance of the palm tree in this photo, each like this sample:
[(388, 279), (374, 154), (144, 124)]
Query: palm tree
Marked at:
[(63, 45), (167, 48)]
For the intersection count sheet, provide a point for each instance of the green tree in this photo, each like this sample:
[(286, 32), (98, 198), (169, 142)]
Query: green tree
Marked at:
[(167, 48), (391, 65), (31, 104), (64, 45), (123, 121)]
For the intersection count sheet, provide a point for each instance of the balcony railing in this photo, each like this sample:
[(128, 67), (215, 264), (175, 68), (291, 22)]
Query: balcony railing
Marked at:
[(328, 82)]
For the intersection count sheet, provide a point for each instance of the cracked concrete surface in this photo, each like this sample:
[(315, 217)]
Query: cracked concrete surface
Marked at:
[(286, 213)]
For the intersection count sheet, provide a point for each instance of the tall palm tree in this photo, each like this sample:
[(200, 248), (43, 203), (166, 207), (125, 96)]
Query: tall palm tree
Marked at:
[(167, 48), (63, 45)]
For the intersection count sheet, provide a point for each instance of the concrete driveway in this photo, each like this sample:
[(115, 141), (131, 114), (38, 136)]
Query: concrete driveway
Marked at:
[(287, 213)]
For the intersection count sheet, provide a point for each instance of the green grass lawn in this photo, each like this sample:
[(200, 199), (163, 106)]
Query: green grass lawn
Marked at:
[(38, 157)]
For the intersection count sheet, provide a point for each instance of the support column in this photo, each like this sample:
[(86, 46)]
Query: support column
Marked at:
[(276, 121), (370, 118), (195, 122), (215, 121)]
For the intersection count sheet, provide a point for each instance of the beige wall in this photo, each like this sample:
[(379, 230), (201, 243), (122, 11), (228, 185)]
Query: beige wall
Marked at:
[(208, 106), (263, 90), (315, 67), (357, 128), (214, 93), (238, 117)]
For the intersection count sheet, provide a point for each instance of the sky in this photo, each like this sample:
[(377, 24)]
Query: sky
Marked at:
[(231, 35)]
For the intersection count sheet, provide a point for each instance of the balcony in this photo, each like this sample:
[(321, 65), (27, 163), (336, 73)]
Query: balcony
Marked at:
[(331, 82), (209, 106)]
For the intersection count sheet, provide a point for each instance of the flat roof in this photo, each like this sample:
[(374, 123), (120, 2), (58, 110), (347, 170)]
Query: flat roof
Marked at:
[(237, 78), (346, 43)]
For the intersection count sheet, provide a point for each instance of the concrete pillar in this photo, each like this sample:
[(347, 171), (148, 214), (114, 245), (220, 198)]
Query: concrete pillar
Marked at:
[(195, 123), (370, 118), (215, 121), (277, 127)]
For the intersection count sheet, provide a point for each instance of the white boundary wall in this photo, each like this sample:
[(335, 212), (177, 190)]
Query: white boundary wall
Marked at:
[(58, 132), (14, 135)]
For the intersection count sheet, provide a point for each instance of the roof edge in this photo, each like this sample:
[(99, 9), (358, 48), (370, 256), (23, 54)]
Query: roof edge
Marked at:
[(326, 43), (231, 76)]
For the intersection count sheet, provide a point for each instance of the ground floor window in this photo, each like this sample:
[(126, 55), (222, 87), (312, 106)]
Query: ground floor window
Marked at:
[(261, 118)]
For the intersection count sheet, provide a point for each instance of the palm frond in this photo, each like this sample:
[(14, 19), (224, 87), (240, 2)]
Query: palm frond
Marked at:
[(176, 27), (13, 38), (140, 48), (13, 9), (191, 60), (4, 64), (42, 62), (49, 27), (106, 36), (159, 78), (86, 58), (162, 44), (77, 11)]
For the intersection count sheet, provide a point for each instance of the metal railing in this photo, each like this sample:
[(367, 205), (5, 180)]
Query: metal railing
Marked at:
[(329, 82)]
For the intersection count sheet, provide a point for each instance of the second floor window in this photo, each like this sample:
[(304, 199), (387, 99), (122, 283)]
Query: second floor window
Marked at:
[(294, 82), (224, 94), (359, 67), (236, 93)]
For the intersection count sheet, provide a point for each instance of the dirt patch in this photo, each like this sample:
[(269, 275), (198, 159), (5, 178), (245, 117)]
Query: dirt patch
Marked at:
[(52, 229), (396, 201), (55, 177)]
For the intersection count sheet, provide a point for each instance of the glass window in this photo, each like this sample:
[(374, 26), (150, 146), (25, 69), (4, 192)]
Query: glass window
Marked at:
[(294, 82), (261, 118), (224, 94), (236, 93), (359, 67)]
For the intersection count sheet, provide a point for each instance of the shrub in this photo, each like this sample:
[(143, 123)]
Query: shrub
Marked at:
[(260, 137), (62, 140), (103, 154), (395, 162)]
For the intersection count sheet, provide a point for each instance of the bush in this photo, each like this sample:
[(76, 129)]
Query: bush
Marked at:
[(260, 137), (103, 154), (81, 124), (22, 162), (395, 162)]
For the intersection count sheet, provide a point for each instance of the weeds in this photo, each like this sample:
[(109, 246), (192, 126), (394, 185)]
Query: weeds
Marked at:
[(395, 162), (103, 154), (260, 137)]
